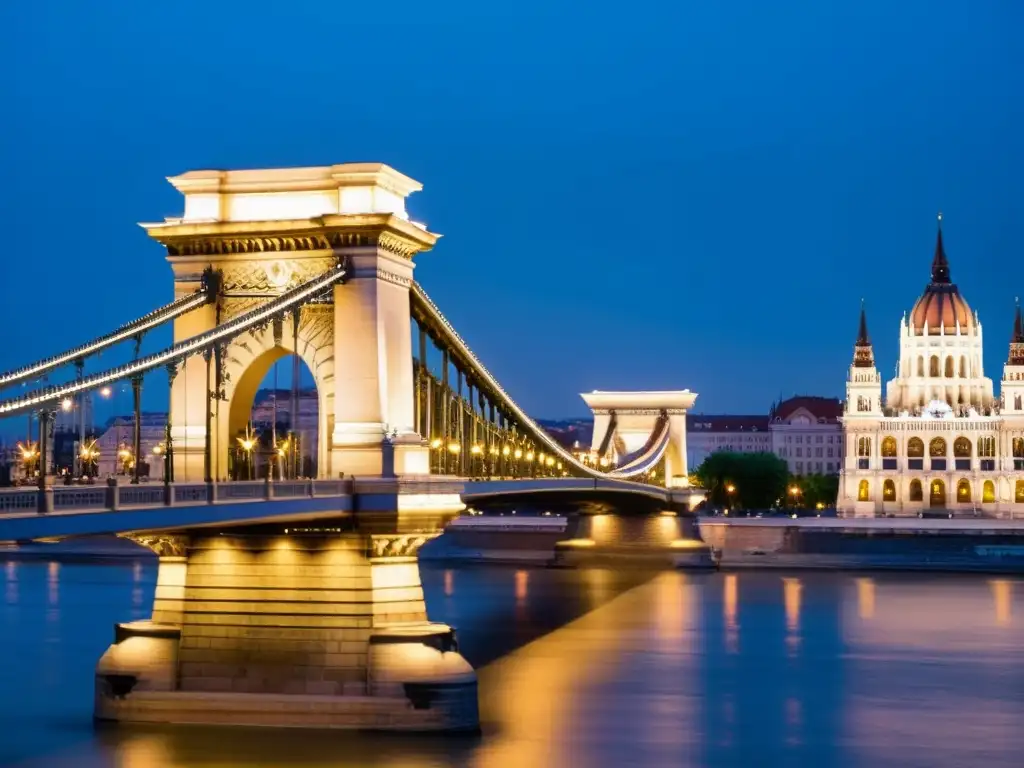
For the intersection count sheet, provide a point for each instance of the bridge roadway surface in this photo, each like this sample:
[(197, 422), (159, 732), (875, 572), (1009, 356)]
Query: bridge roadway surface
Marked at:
[(98, 509)]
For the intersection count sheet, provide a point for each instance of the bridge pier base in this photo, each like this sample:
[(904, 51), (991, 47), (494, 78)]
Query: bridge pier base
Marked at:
[(319, 624)]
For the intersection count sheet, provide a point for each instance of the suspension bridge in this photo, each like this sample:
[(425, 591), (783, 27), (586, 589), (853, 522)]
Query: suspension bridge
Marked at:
[(316, 263)]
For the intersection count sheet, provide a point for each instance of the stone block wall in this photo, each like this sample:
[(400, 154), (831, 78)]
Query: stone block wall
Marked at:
[(288, 614)]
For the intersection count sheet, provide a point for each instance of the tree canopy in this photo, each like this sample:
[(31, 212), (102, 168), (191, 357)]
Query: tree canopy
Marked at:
[(746, 480), (760, 481)]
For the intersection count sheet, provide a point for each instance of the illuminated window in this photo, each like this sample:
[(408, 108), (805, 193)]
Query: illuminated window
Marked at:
[(864, 491), (1019, 495), (962, 447), (938, 493), (915, 448), (963, 491), (949, 367), (933, 367), (988, 492), (889, 491), (937, 448), (864, 446), (889, 447), (987, 447)]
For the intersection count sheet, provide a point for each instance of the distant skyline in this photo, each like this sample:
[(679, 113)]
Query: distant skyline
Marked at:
[(677, 195)]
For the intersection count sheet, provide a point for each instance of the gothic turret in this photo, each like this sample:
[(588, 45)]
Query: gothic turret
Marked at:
[(864, 384), (863, 354), (1013, 371)]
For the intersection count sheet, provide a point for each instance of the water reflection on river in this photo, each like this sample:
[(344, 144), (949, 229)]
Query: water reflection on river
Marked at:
[(591, 668)]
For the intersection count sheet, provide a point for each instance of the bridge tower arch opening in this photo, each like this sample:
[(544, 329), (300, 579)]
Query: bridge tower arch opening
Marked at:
[(263, 366)]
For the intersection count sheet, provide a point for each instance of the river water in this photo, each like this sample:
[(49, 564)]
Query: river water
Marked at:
[(593, 667)]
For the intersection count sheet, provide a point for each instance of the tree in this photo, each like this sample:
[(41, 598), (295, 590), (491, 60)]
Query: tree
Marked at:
[(746, 480), (815, 489)]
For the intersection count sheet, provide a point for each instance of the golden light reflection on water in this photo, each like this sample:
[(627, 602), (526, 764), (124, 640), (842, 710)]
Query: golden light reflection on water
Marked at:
[(449, 583), (1002, 595), (730, 595), (522, 585), (543, 684), (53, 583), (866, 598), (791, 595)]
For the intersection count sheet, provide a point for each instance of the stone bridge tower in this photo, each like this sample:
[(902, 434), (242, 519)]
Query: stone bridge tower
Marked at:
[(270, 230)]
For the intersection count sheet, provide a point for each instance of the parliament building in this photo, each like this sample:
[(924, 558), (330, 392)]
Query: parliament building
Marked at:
[(941, 440)]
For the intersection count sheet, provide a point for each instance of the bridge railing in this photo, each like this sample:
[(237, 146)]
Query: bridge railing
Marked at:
[(112, 497)]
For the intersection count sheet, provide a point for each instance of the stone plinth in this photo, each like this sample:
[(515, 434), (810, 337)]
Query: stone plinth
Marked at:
[(259, 625)]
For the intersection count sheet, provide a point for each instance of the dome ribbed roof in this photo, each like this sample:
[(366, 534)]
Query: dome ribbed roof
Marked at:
[(941, 308)]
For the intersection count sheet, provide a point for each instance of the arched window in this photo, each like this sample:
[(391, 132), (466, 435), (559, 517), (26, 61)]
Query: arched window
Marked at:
[(915, 491), (889, 447), (963, 367), (1018, 496), (920, 366), (937, 448), (963, 491), (937, 497), (933, 367), (864, 491), (864, 447), (915, 448), (949, 367), (988, 492), (962, 448), (1018, 447), (888, 491), (987, 447)]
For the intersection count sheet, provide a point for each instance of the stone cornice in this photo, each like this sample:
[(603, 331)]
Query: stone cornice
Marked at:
[(335, 231)]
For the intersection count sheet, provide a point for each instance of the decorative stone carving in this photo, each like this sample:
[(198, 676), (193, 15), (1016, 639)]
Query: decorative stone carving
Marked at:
[(402, 545), (275, 277), (162, 544), (225, 246)]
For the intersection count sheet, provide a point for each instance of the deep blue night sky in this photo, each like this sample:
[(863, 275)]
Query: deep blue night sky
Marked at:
[(643, 195)]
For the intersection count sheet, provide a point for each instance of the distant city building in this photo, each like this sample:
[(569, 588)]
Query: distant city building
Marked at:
[(940, 439), (116, 446), (707, 434), (807, 433), (804, 431), (572, 434)]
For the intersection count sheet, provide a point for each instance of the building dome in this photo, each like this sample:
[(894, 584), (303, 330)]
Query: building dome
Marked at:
[(941, 308)]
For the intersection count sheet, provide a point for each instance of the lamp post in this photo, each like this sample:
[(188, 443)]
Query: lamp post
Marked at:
[(730, 490), (795, 492), (247, 443)]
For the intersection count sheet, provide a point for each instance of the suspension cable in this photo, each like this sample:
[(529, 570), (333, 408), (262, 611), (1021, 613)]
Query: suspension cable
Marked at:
[(151, 320), (422, 303), (175, 354)]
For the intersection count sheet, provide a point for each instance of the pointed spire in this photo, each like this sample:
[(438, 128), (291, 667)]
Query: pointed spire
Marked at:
[(862, 333), (863, 354), (940, 265), (1018, 327)]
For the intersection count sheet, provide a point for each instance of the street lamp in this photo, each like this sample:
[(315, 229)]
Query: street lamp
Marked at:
[(125, 456), (29, 453), (248, 442), (90, 452), (795, 492)]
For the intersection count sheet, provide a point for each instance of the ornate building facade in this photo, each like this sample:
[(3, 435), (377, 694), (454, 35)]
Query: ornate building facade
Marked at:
[(940, 439)]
